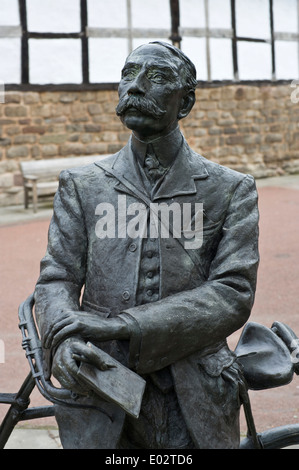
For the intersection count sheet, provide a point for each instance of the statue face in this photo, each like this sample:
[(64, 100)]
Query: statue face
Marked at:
[(151, 91)]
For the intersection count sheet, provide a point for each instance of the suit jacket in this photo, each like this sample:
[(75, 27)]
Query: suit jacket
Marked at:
[(204, 296)]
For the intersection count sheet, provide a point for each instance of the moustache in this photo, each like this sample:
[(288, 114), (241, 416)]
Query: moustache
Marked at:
[(144, 105)]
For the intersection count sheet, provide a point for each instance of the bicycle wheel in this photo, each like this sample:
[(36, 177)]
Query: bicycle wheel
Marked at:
[(276, 438)]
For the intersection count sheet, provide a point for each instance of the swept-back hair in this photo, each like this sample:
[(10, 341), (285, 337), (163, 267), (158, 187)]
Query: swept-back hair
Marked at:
[(188, 71)]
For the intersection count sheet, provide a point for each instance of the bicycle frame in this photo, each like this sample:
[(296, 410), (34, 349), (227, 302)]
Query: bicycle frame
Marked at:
[(19, 402), (19, 410)]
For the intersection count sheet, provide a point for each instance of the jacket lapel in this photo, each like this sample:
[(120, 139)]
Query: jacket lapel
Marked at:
[(180, 179), (124, 169), (187, 167)]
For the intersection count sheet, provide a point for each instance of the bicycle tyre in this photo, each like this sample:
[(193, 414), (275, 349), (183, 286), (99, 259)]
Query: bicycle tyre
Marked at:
[(276, 438)]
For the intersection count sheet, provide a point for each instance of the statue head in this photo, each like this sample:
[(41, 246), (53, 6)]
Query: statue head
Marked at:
[(156, 90)]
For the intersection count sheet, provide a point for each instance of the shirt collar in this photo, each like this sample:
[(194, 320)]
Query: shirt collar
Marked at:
[(165, 148)]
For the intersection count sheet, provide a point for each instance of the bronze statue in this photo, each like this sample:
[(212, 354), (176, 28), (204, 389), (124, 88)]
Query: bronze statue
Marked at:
[(158, 304)]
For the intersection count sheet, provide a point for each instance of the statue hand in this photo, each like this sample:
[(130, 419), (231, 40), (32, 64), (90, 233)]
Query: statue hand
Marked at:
[(88, 325), (67, 360), (65, 367)]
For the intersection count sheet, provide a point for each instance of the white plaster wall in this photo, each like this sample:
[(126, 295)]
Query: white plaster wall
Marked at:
[(9, 13), (59, 61), (56, 16)]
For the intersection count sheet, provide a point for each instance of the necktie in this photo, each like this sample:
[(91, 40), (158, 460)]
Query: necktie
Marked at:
[(153, 168)]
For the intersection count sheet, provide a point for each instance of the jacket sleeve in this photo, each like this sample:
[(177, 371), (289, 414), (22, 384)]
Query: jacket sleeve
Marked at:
[(170, 329), (62, 270)]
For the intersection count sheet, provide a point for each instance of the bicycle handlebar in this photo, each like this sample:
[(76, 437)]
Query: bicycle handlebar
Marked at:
[(32, 345)]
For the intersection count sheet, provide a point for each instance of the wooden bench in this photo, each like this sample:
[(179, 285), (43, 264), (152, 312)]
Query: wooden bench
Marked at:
[(40, 177)]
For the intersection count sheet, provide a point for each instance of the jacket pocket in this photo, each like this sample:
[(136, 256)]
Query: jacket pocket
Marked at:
[(214, 363), (103, 312)]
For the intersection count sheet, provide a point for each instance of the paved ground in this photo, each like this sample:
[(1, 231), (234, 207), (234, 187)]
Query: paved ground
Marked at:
[(23, 239)]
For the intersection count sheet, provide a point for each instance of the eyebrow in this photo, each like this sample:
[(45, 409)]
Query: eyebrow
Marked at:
[(164, 68), (131, 64)]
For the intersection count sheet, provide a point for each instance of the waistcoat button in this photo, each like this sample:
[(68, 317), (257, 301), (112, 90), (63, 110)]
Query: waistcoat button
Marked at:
[(133, 247), (126, 295)]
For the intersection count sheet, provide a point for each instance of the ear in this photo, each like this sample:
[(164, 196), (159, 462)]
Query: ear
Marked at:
[(186, 104)]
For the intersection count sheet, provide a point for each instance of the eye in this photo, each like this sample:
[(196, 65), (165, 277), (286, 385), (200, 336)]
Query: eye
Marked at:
[(130, 73), (156, 76)]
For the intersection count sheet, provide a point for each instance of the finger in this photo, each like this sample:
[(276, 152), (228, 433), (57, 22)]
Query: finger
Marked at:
[(70, 372), (85, 354), (95, 356), (90, 359), (79, 358), (64, 377), (65, 371), (68, 330), (73, 385), (66, 320)]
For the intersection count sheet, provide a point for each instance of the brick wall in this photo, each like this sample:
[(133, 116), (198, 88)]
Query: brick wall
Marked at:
[(253, 129)]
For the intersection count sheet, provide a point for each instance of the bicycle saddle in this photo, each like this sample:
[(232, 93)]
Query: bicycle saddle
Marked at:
[(267, 355)]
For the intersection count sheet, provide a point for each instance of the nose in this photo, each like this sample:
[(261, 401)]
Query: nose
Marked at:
[(137, 86)]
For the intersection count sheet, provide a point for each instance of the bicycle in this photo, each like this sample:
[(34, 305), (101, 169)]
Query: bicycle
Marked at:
[(280, 341)]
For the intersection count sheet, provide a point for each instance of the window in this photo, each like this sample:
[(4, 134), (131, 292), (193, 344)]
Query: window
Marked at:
[(83, 43), (56, 16), (242, 39), (10, 42), (211, 22), (55, 61), (116, 30)]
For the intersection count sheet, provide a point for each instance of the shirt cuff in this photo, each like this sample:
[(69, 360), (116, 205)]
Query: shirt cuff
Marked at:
[(135, 339)]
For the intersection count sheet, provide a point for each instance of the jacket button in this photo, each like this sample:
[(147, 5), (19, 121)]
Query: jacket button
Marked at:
[(149, 292), (133, 247), (126, 295)]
